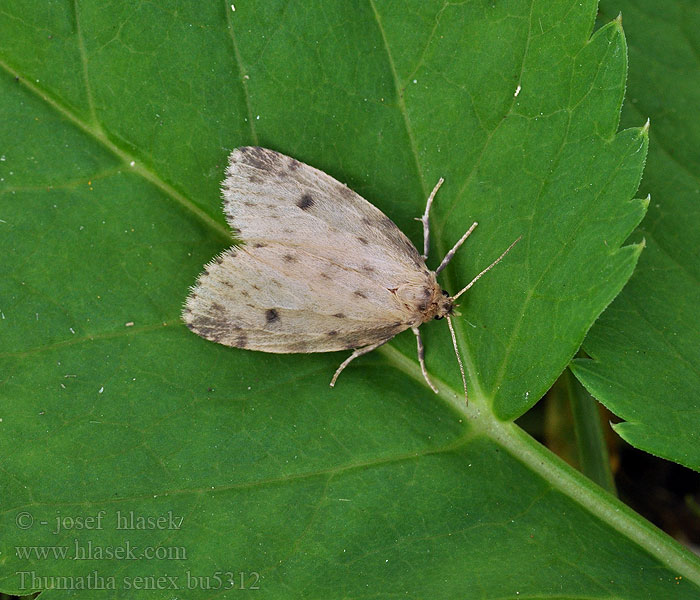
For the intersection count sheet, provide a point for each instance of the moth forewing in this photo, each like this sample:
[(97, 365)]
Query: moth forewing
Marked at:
[(319, 268)]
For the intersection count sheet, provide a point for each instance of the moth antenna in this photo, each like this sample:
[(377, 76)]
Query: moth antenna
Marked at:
[(425, 219), (451, 253), (459, 358), (491, 266)]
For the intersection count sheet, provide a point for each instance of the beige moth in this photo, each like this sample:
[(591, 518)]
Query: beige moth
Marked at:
[(319, 268)]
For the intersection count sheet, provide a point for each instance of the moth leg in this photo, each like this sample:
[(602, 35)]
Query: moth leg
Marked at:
[(451, 253), (425, 219), (421, 358), (353, 356)]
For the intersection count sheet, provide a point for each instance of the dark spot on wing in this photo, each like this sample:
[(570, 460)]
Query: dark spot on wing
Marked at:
[(271, 315), (255, 179), (368, 268), (209, 327), (294, 164), (244, 293), (249, 204), (359, 294), (259, 245), (258, 158), (219, 259), (332, 333), (255, 287), (339, 315), (290, 258), (362, 240), (305, 202), (241, 341), (325, 276), (211, 333), (218, 309)]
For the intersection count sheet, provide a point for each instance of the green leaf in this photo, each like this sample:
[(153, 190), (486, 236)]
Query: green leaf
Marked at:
[(646, 365), (116, 123)]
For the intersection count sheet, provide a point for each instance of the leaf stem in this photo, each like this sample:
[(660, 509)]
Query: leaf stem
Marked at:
[(592, 451), (558, 474)]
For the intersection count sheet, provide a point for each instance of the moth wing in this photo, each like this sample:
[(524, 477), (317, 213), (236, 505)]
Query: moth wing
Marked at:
[(270, 197), (318, 269), (256, 299)]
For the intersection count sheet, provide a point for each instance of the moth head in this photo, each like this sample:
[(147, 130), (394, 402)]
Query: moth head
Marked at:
[(445, 306)]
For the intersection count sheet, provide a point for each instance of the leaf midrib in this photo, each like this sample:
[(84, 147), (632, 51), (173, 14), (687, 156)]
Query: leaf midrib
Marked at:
[(127, 159)]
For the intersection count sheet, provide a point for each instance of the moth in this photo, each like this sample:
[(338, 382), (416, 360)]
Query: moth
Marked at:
[(319, 268)]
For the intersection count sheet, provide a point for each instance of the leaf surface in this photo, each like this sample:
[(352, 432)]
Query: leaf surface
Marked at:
[(646, 364), (115, 128)]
